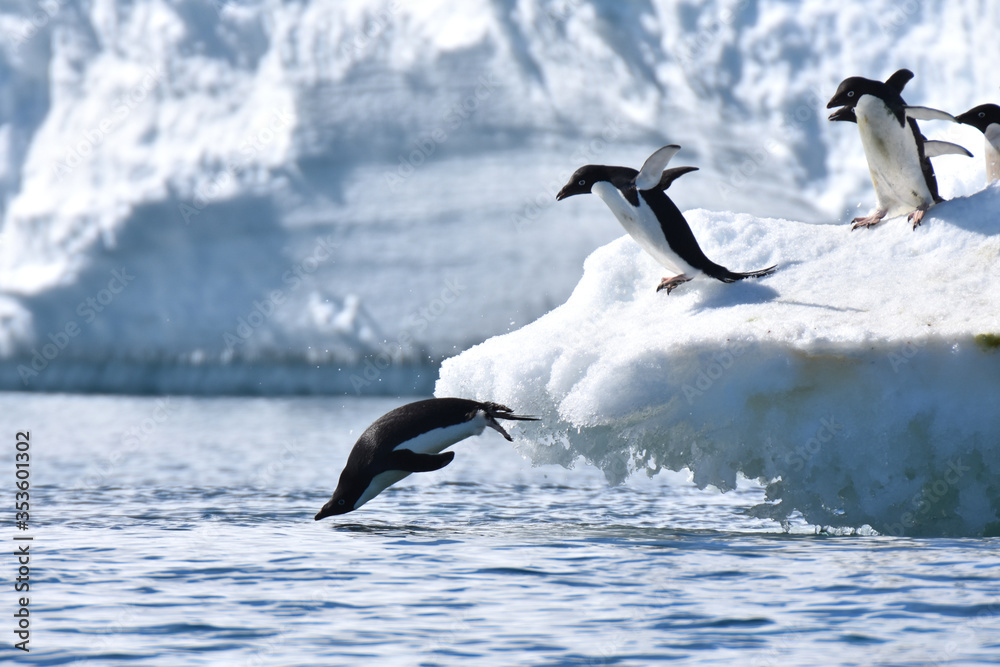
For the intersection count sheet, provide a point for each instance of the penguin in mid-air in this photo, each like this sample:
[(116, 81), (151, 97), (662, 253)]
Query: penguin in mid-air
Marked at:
[(638, 200), (410, 439), (986, 119), (898, 154)]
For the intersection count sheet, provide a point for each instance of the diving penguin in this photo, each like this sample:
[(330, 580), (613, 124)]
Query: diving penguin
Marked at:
[(897, 153), (638, 201), (986, 119), (410, 439)]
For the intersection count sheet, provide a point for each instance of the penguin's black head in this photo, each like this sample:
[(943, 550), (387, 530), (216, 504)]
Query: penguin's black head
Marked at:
[(582, 181), (342, 502), (981, 117), (853, 89)]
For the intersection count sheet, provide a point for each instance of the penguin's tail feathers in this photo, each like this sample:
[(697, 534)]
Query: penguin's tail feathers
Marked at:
[(732, 276), (498, 411)]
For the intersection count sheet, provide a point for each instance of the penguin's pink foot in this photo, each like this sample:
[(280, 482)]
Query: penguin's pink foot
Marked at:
[(916, 217), (670, 284), (869, 221)]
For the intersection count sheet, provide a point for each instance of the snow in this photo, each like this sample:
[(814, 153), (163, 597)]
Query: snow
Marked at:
[(858, 382), (207, 147)]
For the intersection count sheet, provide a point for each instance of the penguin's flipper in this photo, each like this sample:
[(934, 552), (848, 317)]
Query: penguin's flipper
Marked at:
[(899, 79), (926, 113), (993, 135), (935, 148), (652, 168), (411, 461), (671, 175)]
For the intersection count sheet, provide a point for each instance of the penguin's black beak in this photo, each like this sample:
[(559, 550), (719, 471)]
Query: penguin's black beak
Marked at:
[(495, 425), (841, 97), (577, 185), (971, 117)]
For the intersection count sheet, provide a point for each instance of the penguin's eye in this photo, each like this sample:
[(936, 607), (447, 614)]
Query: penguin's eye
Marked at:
[(850, 93), (582, 182), (982, 114), (340, 502)]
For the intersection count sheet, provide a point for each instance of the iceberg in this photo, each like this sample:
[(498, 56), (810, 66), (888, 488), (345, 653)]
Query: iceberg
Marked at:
[(858, 384)]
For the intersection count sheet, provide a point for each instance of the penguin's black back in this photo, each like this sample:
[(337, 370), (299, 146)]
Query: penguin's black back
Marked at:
[(925, 162), (408, 421), (680, 238)]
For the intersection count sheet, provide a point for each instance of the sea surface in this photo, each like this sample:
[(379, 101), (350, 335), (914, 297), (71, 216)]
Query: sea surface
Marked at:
[(179, 531)]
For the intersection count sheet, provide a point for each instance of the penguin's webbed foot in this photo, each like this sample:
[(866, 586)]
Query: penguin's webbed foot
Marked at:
[(916, 217), (670, 284), (869, 221)]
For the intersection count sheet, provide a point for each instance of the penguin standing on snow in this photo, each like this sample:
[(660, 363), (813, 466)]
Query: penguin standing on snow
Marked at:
[(410, 439), (986, 119), (638, 201), (897, 153)]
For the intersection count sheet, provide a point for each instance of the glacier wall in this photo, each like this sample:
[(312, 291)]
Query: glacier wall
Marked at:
[(371, 183)]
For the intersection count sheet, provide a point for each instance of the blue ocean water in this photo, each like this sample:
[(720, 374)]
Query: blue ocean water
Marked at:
[(179, 531)]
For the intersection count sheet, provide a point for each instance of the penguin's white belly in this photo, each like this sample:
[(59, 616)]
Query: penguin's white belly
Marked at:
[(431, 442), (380, 483), (642, 225), (436, 441), (893, 158), (993, 152)]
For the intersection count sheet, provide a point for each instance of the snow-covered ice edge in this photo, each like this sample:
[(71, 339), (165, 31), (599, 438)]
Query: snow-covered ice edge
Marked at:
[(859, 383)]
